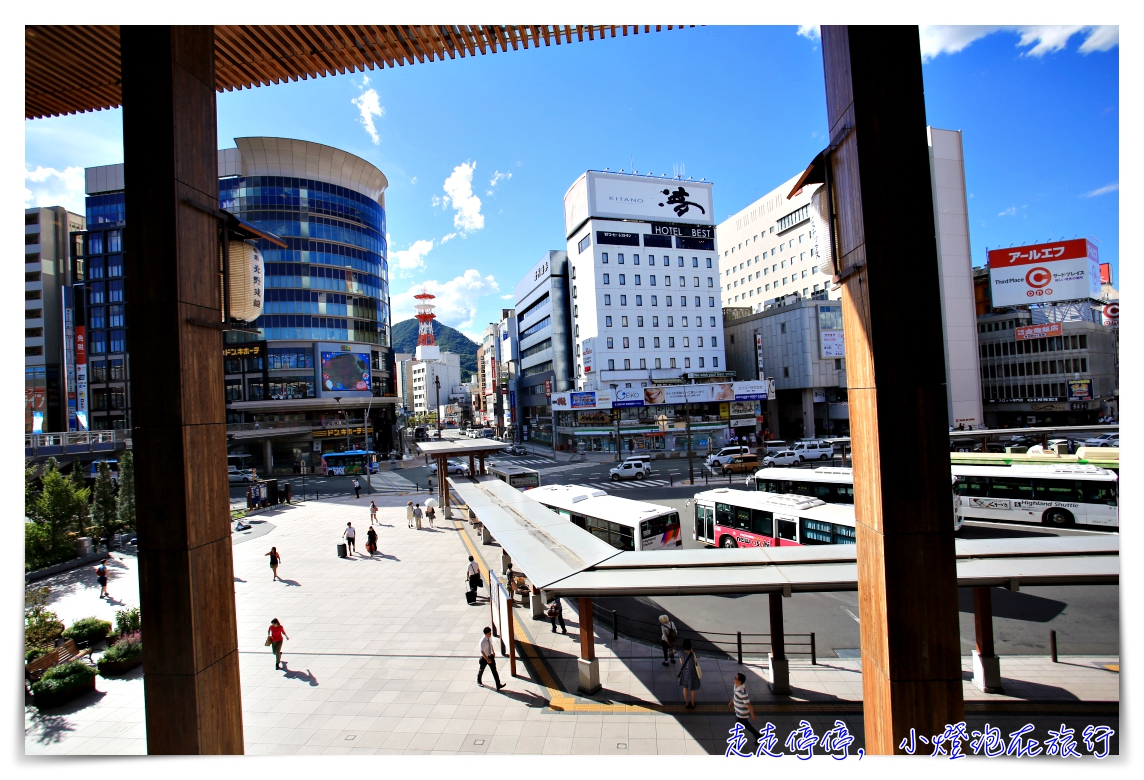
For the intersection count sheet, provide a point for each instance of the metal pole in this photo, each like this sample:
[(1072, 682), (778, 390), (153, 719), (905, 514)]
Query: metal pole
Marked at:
[(813, 655), (739, 645), (615, 625), (690, 453), (368, 470), (1053, 645)]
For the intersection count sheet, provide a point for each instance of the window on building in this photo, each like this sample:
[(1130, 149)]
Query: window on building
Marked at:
[(637, 279), (782, 327), (33, 333), (655, 322), (655, 342), (619, 258), (627, 363), (701, 363), (655, 300), (687, 362), (607, 279), (607, 320), (700, 342), (623, 300), (683, 322), (33, 314), (611, 364), (672, 364), (623, 279), (611, 343), (624, 321), (710, 302), (639, 321), (585, 242), (714, 362), (786, 372), (681, 262), (607, 300), (32, 295), (639, 300), (658, 363), (671, 322), (671, 342), (710, 282), (603, 257)]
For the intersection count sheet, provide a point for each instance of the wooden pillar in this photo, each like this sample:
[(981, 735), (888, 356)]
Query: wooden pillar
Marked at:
[(191, 682), (777, 664), (986, 664), (483, 472), (588, 666), (472, 466), (911, 665)]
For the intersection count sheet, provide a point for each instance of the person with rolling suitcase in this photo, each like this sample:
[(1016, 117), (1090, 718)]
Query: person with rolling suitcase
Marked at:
[(473, 575)]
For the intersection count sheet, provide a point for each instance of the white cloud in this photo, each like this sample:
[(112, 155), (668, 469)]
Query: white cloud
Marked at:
[(412, 258), (809, 31), (1043, 39), (456, 299), (448, 237), (498, 177), (1009, 212), (1107, 188), (435, 200), (369, 106), (507, 297), (413, 180), (49, 187), (459, 195)]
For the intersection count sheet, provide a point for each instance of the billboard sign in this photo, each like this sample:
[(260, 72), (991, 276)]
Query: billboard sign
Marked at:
[(1110, 314), (81, 373), (588, 353), (1106, 273), (69, 356), (1039, 273), (831, 342), (751, 391), (629, 396), (587, 399), (633, 197), (759, 354), (1028, 332), (345, 371), (547, 388), (1080, 389)]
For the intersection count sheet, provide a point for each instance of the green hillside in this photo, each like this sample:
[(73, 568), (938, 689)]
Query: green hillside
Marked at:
[(448, 339)]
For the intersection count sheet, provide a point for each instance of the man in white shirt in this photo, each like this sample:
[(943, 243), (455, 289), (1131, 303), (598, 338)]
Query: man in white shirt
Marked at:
[(350, 534), (488, 658), (473, 574)]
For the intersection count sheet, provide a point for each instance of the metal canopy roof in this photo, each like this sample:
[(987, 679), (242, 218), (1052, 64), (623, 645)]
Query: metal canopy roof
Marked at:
[(461, 447), (567, 561), (76, 68)]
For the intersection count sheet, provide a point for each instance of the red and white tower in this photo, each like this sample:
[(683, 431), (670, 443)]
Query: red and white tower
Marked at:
[(427, 348)]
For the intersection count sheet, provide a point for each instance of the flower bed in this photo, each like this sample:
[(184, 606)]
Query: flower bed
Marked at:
[(88, 631), (62, 683), (125, 654)]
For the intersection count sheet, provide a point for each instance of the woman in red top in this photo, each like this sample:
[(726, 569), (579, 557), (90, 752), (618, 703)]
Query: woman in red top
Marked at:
[(274, 636)]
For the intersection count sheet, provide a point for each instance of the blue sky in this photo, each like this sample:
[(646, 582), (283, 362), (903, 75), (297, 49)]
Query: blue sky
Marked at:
[(479, 151)]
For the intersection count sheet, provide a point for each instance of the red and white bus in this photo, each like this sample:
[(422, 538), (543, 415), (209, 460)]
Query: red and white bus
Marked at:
[(738, 518)]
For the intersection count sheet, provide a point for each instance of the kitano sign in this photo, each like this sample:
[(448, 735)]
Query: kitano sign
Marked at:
[(1039, 273), (634, 197)]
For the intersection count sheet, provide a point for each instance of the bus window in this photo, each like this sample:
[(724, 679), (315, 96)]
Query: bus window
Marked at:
[(1010, 487), (657, 526), (843, 534), (742, 519), (977, 487), (762, 522), (1099, 492), (577, 520), (815, 531), (1058, 490), (788, 530), (799, 488), (845, 494), (822, 491), (723, 515), (769, 486)]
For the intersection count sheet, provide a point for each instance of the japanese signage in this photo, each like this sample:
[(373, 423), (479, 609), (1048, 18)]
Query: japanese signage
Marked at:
[(759, 354), (664, 394), (1080, 389), (629, 396), (1060, 271), (744, 409), (628, 197), (582, 400), (81, 375), (245, 350), (588, 353), (1110, 315), (621, 239), (69, 356), (547, 388), (831, 342), (1028, 332), (328, 433)]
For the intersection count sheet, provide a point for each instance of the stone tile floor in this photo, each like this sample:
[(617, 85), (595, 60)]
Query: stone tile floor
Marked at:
[(383, 658)]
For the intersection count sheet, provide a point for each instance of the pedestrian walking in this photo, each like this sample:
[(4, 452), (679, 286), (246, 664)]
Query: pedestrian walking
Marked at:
[(350, 534), (667, 637), (509, 585), (473, 574), (488, 658), (430, 515), (275, 559), (741, 704), (689, 675), (409, 513), (101, 577), (372, 512), (417, 515), (371, 541), (556, 612), (274, 636), (357, 488)]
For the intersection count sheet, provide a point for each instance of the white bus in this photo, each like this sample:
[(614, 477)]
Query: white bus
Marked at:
[(621, 522), (1058, 496), (739, 518), (516, 476), (830, 484)]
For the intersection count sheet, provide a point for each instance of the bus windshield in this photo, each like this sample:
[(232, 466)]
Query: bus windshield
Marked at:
[(349, 462)]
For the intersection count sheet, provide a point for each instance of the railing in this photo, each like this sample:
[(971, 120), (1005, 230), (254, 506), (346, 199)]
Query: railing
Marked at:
[(75, 441), (270, 425), (711, 643)]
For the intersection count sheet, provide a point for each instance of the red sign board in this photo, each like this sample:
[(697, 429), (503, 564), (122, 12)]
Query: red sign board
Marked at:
[(1106, 273), (1042, 253), (80, 346), (547, 388), (1028, 332)]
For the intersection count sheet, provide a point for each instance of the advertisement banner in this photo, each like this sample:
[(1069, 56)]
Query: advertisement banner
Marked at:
[(1028, 332), (547, 388), (831, 342), (588, 353), (1080, 389), (1110, 315), (1038, 273), (744, 409), (345, 371), (629, 396), (1106, 273), (751, 391), (586, 399), (81, 374), (759, 355), (620, 196), (69, 357)]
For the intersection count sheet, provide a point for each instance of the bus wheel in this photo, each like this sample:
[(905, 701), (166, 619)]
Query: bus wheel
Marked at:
[(728, 541), (1059, 518)]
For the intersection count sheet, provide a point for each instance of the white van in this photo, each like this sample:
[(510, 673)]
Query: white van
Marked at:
[(813, 450), (719, 459)]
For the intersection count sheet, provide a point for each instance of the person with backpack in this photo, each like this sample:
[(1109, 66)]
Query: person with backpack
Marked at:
[(372, 512), (101, 577), (667, 636), (556, 612), (689, 675)]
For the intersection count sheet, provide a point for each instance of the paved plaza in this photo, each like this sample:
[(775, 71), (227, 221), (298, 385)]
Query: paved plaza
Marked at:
[(382, 658)]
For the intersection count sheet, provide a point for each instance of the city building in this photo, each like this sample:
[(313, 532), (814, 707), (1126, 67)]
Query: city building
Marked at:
[(507, 371), (544, 364), (49, 357), (424, 375), (319, 358), (798, 343), (1035, 372)]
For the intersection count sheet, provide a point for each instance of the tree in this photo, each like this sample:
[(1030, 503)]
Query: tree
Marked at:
[(125, 502), (103, 510), (60, 505)]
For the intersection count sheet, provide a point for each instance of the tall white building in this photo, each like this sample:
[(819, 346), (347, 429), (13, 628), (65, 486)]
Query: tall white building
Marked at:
[(645, 282), (423, 384)]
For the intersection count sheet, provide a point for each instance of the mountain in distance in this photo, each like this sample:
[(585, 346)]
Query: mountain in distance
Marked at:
[(448, 339)]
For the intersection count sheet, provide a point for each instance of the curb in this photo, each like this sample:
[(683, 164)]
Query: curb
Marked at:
[(63, 566)]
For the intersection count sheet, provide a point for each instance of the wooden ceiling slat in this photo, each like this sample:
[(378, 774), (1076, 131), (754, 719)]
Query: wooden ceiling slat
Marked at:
[(375, 54), (402, 35), (226, 74), (267, 59), (377, 35), (455, 42), (477, 36), (544, 30)]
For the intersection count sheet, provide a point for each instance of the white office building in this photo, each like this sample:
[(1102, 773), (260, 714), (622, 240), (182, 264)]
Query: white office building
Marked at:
[(423, 382), (645, 281)]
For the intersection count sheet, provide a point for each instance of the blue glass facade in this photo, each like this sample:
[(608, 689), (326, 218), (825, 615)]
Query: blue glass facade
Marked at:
[(332, 281)]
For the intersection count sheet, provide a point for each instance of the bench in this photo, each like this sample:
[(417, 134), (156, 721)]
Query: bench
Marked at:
[(65, 652)]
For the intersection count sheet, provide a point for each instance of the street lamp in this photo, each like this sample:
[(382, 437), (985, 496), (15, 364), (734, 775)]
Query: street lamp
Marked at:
[(437, 382)]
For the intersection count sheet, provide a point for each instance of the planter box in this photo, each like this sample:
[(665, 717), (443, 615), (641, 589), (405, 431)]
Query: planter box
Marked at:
[(47, 700), (113, 668)]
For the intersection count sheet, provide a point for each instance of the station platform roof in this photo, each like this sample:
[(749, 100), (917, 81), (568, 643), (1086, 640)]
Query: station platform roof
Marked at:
[(567, 561), (461, 447)]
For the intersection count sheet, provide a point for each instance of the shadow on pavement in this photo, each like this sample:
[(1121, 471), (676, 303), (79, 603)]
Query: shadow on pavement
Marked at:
[(1017, 606)]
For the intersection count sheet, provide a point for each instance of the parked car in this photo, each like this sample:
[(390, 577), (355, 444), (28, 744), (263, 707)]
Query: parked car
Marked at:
[(1104, 440), (516, 449), (781, 458), (451, 467), (629, 469), (774, 445), (717, 459), (235, 474), (644, 459), (813, 450), (741, 464)]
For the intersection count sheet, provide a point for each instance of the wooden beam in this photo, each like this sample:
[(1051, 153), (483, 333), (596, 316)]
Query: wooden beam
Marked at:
[(587, 630), (983, 620), (191, 686), (907, 587)]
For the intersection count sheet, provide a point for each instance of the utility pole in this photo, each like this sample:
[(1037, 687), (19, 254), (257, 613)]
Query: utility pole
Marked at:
[(368, 467), (690, 452), (437, 382)]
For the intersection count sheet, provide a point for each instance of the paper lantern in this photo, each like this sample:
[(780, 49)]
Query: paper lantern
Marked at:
[(246, 281)]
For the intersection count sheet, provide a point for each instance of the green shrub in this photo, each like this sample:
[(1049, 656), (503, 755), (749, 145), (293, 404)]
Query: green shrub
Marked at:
[(63, 677), (88, 629), (38, 552), (41, 626), (32, 653), (127, 621), (128, 646)]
